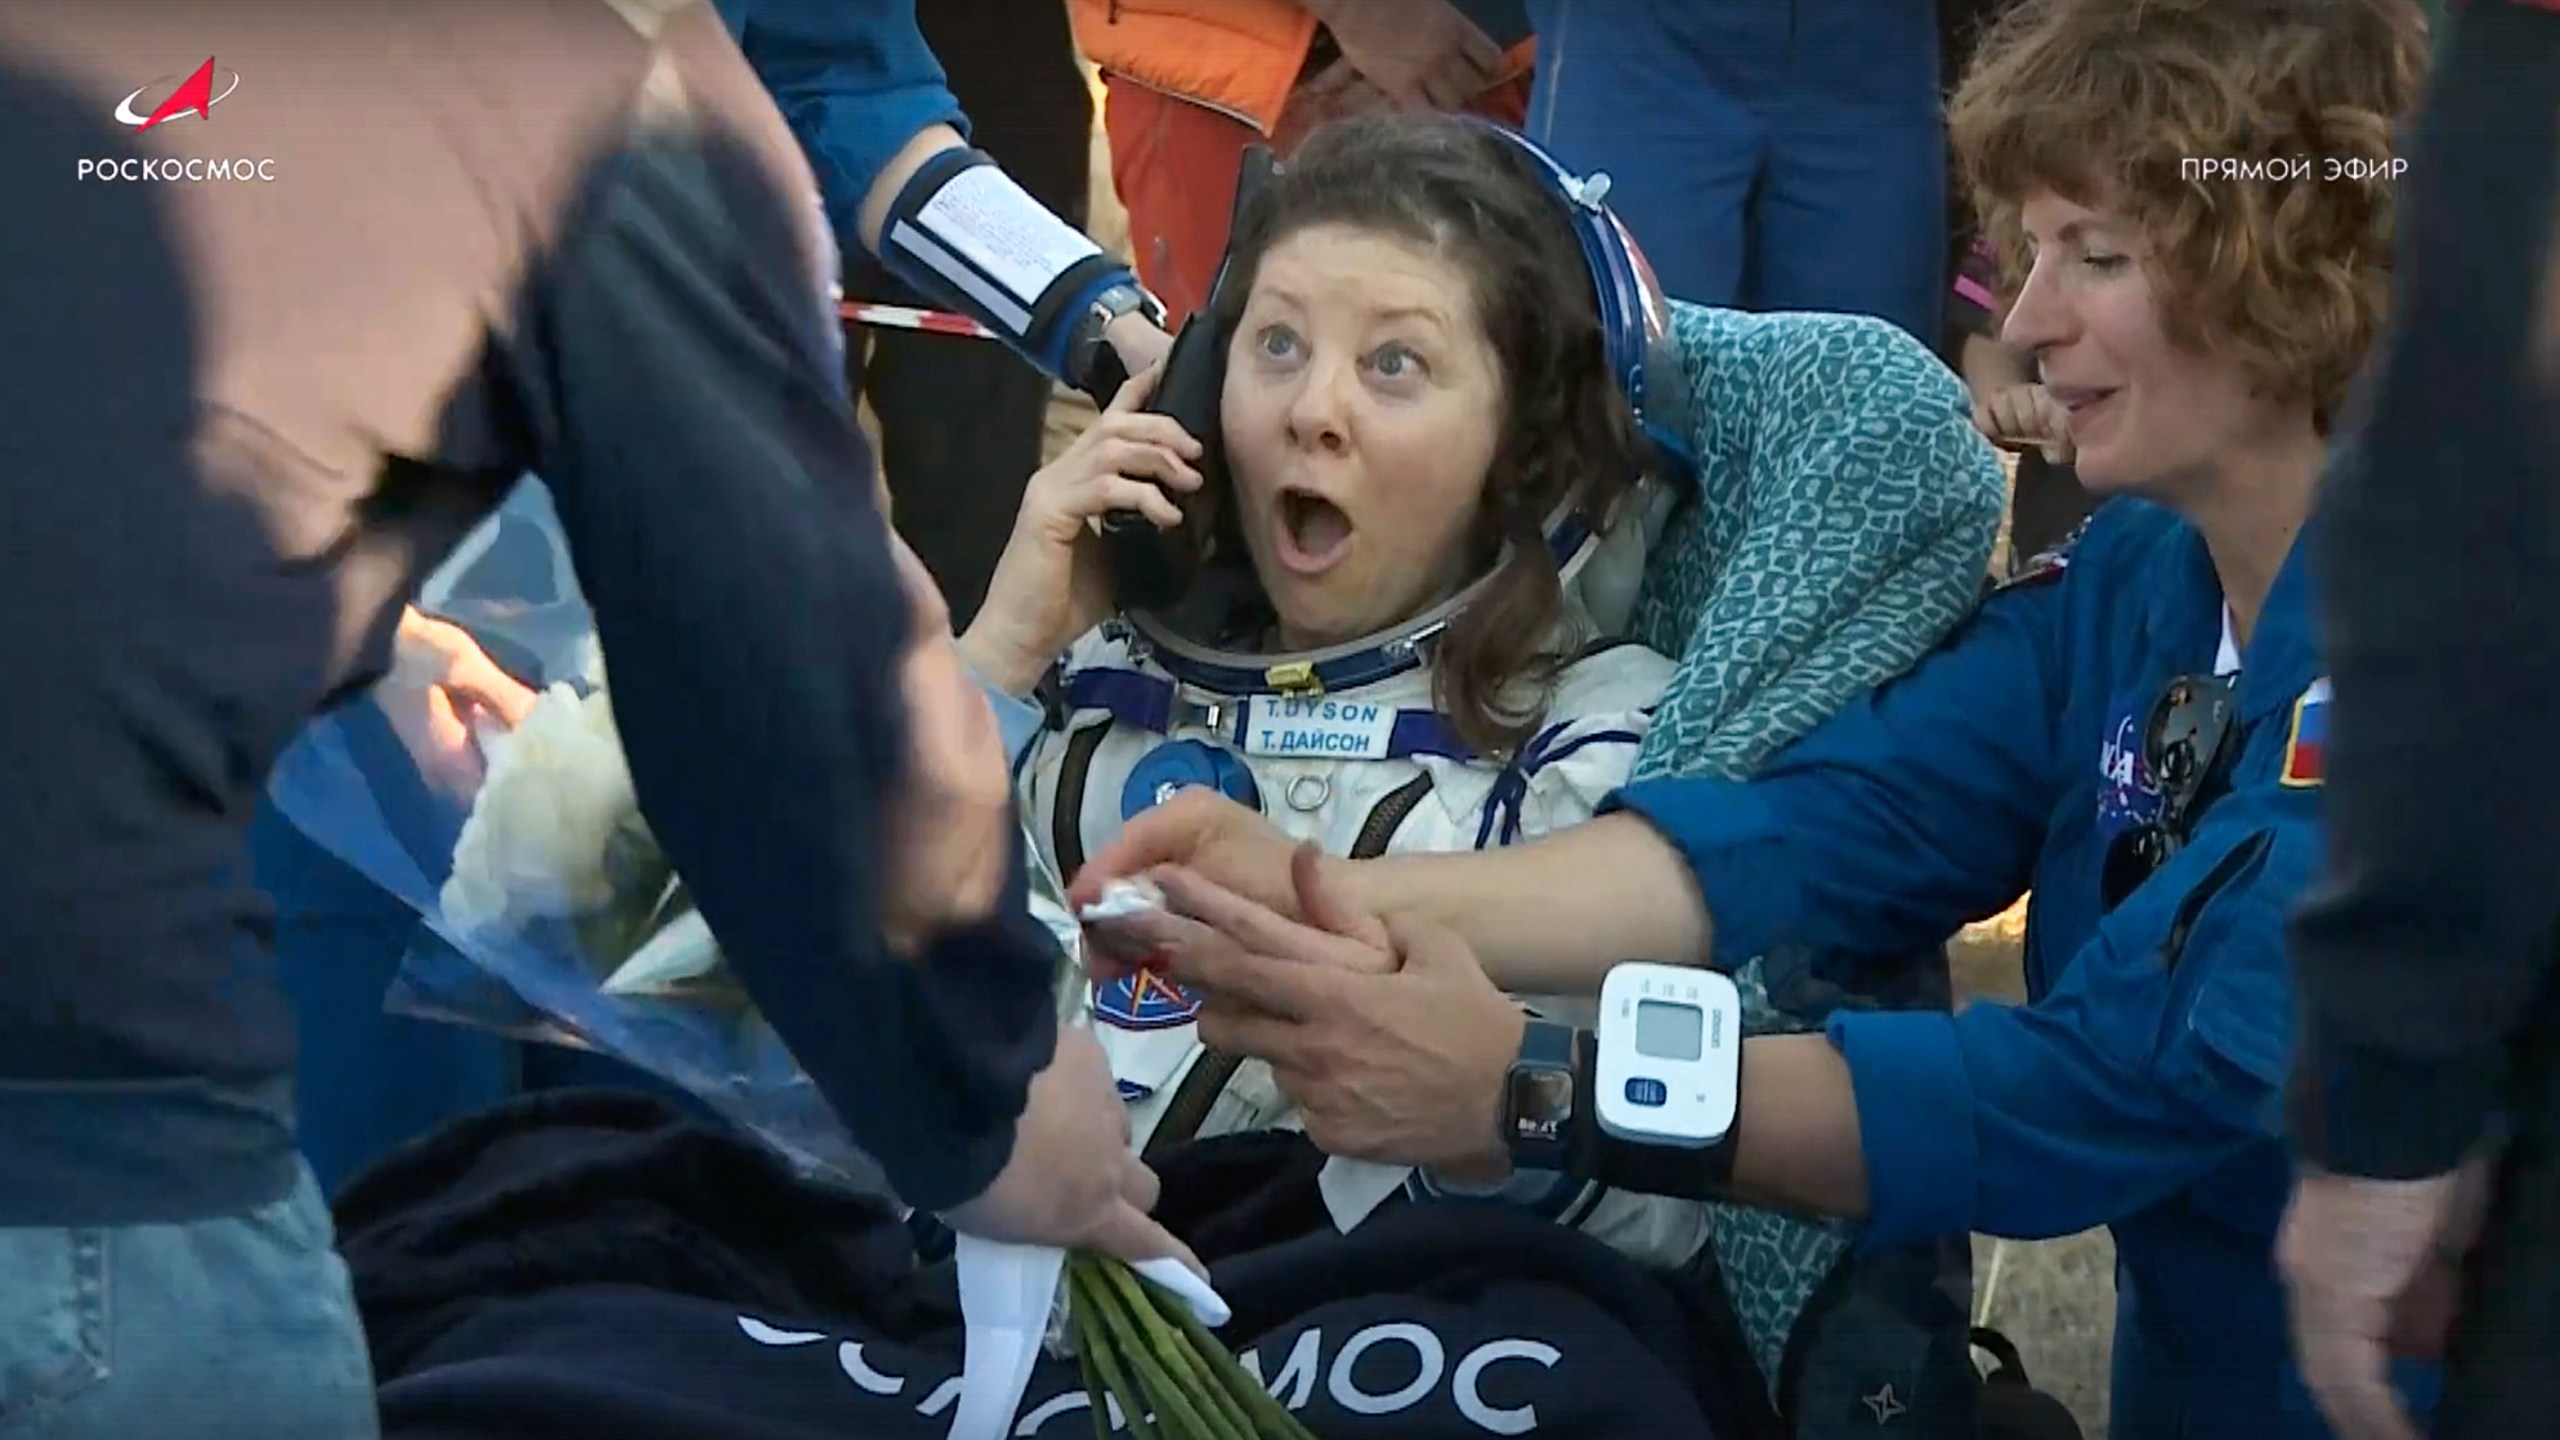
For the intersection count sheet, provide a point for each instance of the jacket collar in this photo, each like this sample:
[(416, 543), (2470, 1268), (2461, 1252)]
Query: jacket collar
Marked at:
[(2282, 656)]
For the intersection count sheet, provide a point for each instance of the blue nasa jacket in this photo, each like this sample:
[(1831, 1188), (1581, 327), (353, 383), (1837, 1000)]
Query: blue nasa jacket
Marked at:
[(2141, 1087)]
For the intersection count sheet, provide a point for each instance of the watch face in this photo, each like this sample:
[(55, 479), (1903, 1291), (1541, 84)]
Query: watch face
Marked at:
[(1540, 1104)]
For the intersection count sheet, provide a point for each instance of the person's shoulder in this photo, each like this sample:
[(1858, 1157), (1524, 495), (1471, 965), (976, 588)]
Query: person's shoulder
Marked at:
[(2120, 537), (1609, 677)]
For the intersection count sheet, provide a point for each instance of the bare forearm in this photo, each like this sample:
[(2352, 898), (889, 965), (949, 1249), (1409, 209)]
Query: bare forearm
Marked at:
[(1551, 917), (928, 142), (1799, 1147)]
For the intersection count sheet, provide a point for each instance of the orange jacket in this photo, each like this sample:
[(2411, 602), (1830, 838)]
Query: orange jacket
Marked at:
[(1238, 57)]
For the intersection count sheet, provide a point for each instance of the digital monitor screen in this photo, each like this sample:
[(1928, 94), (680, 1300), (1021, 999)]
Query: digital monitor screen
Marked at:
[(1665, 1031)]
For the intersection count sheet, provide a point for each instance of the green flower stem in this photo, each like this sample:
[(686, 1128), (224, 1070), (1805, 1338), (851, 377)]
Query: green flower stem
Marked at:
[(1172, 1405), (1208, 1389), (1093, 1340), (1089, 1309), (1269, 1418), (1094, 1395)]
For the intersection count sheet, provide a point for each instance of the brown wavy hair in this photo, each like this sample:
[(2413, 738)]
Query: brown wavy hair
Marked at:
[(2168, 112), (1567, 434)]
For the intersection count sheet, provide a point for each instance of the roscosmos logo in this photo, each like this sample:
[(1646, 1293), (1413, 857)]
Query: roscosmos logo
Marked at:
[(195, 95), (156, 103)]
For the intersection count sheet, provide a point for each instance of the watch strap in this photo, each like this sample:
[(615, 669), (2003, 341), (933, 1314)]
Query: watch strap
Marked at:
[(1546, 1048), (1544, 1042), (1665, 1170)]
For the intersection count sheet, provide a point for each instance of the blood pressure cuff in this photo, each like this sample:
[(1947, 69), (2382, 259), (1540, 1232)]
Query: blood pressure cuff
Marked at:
[(960, 229), (590, 1264)]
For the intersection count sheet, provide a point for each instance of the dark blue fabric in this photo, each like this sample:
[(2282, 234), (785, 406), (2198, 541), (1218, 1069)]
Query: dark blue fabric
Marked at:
[(856, 80), (1767, 154), (369, 1079), (585, 1266)]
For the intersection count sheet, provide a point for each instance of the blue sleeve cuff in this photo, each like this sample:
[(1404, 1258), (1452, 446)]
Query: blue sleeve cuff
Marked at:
[(1915, 1122), (1017, 719), (1731, 840)]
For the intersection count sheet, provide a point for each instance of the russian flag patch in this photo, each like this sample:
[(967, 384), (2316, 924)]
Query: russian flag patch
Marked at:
[(2306, 745)]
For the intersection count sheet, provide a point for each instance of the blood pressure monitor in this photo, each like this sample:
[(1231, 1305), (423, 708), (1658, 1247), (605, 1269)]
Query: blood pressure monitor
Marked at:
[(1667, 1063)]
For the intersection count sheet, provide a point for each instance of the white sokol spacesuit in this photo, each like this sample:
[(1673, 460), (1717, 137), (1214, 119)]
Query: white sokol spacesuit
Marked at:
[(1366, 766), (1343, 747)]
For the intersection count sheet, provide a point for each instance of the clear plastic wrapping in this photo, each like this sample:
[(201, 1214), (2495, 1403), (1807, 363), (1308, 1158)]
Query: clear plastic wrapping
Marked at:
[(550, 912)]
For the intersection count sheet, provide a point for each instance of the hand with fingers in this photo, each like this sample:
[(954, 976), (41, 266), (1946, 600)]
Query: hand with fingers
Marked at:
[(1335, 933), (440, 681), (2025, 417), (2357, 1257), (1384, 1033), (1052, 585), (1421, 54), (1219, 841), (1073, 1181)]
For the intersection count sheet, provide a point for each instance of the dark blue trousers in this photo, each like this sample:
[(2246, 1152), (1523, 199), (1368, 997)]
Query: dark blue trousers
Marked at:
[(1767, 154)]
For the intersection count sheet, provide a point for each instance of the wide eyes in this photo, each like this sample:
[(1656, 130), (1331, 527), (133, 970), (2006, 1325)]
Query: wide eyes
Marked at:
[(1394, 361)]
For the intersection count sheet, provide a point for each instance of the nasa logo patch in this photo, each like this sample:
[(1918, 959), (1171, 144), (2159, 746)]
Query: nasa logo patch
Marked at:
[(2127, 795), (1144, 1000)]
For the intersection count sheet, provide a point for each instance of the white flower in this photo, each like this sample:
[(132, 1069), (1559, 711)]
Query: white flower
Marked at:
[(536, 842)]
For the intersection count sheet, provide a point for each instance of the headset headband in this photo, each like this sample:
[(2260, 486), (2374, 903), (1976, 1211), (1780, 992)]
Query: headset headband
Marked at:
[(1635, 314)]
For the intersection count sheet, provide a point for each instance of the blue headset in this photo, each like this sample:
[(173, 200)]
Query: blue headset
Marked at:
[(1635, 314)]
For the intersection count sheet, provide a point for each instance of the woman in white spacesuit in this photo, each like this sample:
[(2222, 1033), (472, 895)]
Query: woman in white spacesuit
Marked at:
[(1439, 477)]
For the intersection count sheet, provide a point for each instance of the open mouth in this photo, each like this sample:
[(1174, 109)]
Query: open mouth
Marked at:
[(1314, 533)]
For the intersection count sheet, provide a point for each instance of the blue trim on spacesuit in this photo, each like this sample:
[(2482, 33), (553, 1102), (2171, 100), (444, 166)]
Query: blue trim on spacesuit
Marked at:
[(1511, 788)]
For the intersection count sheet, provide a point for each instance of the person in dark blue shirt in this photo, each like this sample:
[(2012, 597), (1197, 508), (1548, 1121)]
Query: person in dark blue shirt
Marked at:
[(2426, 1092), (868, 101), (2131, 731)]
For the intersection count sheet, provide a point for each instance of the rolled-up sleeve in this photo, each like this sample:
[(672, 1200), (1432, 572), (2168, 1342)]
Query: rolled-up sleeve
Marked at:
[(856, 80)]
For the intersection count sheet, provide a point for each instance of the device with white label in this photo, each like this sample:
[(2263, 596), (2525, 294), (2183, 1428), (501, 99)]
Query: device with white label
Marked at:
[(1669, 1055)]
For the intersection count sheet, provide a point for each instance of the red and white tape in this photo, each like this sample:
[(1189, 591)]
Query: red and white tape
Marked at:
[(908, 317)]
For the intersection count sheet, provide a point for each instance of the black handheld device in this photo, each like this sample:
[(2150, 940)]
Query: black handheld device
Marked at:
[(1151, 568)]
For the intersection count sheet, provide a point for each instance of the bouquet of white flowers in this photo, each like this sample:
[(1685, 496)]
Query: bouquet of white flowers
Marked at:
[(562, 920)]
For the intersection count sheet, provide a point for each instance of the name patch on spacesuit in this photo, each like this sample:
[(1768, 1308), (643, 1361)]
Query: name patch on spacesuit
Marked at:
[(1317, 727)]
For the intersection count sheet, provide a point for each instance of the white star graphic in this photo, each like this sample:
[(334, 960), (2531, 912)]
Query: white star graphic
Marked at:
[(1886, 1405)]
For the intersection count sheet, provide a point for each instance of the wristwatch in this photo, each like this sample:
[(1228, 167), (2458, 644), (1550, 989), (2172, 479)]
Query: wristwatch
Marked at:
[(1538, 1098), (1094, 365)]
